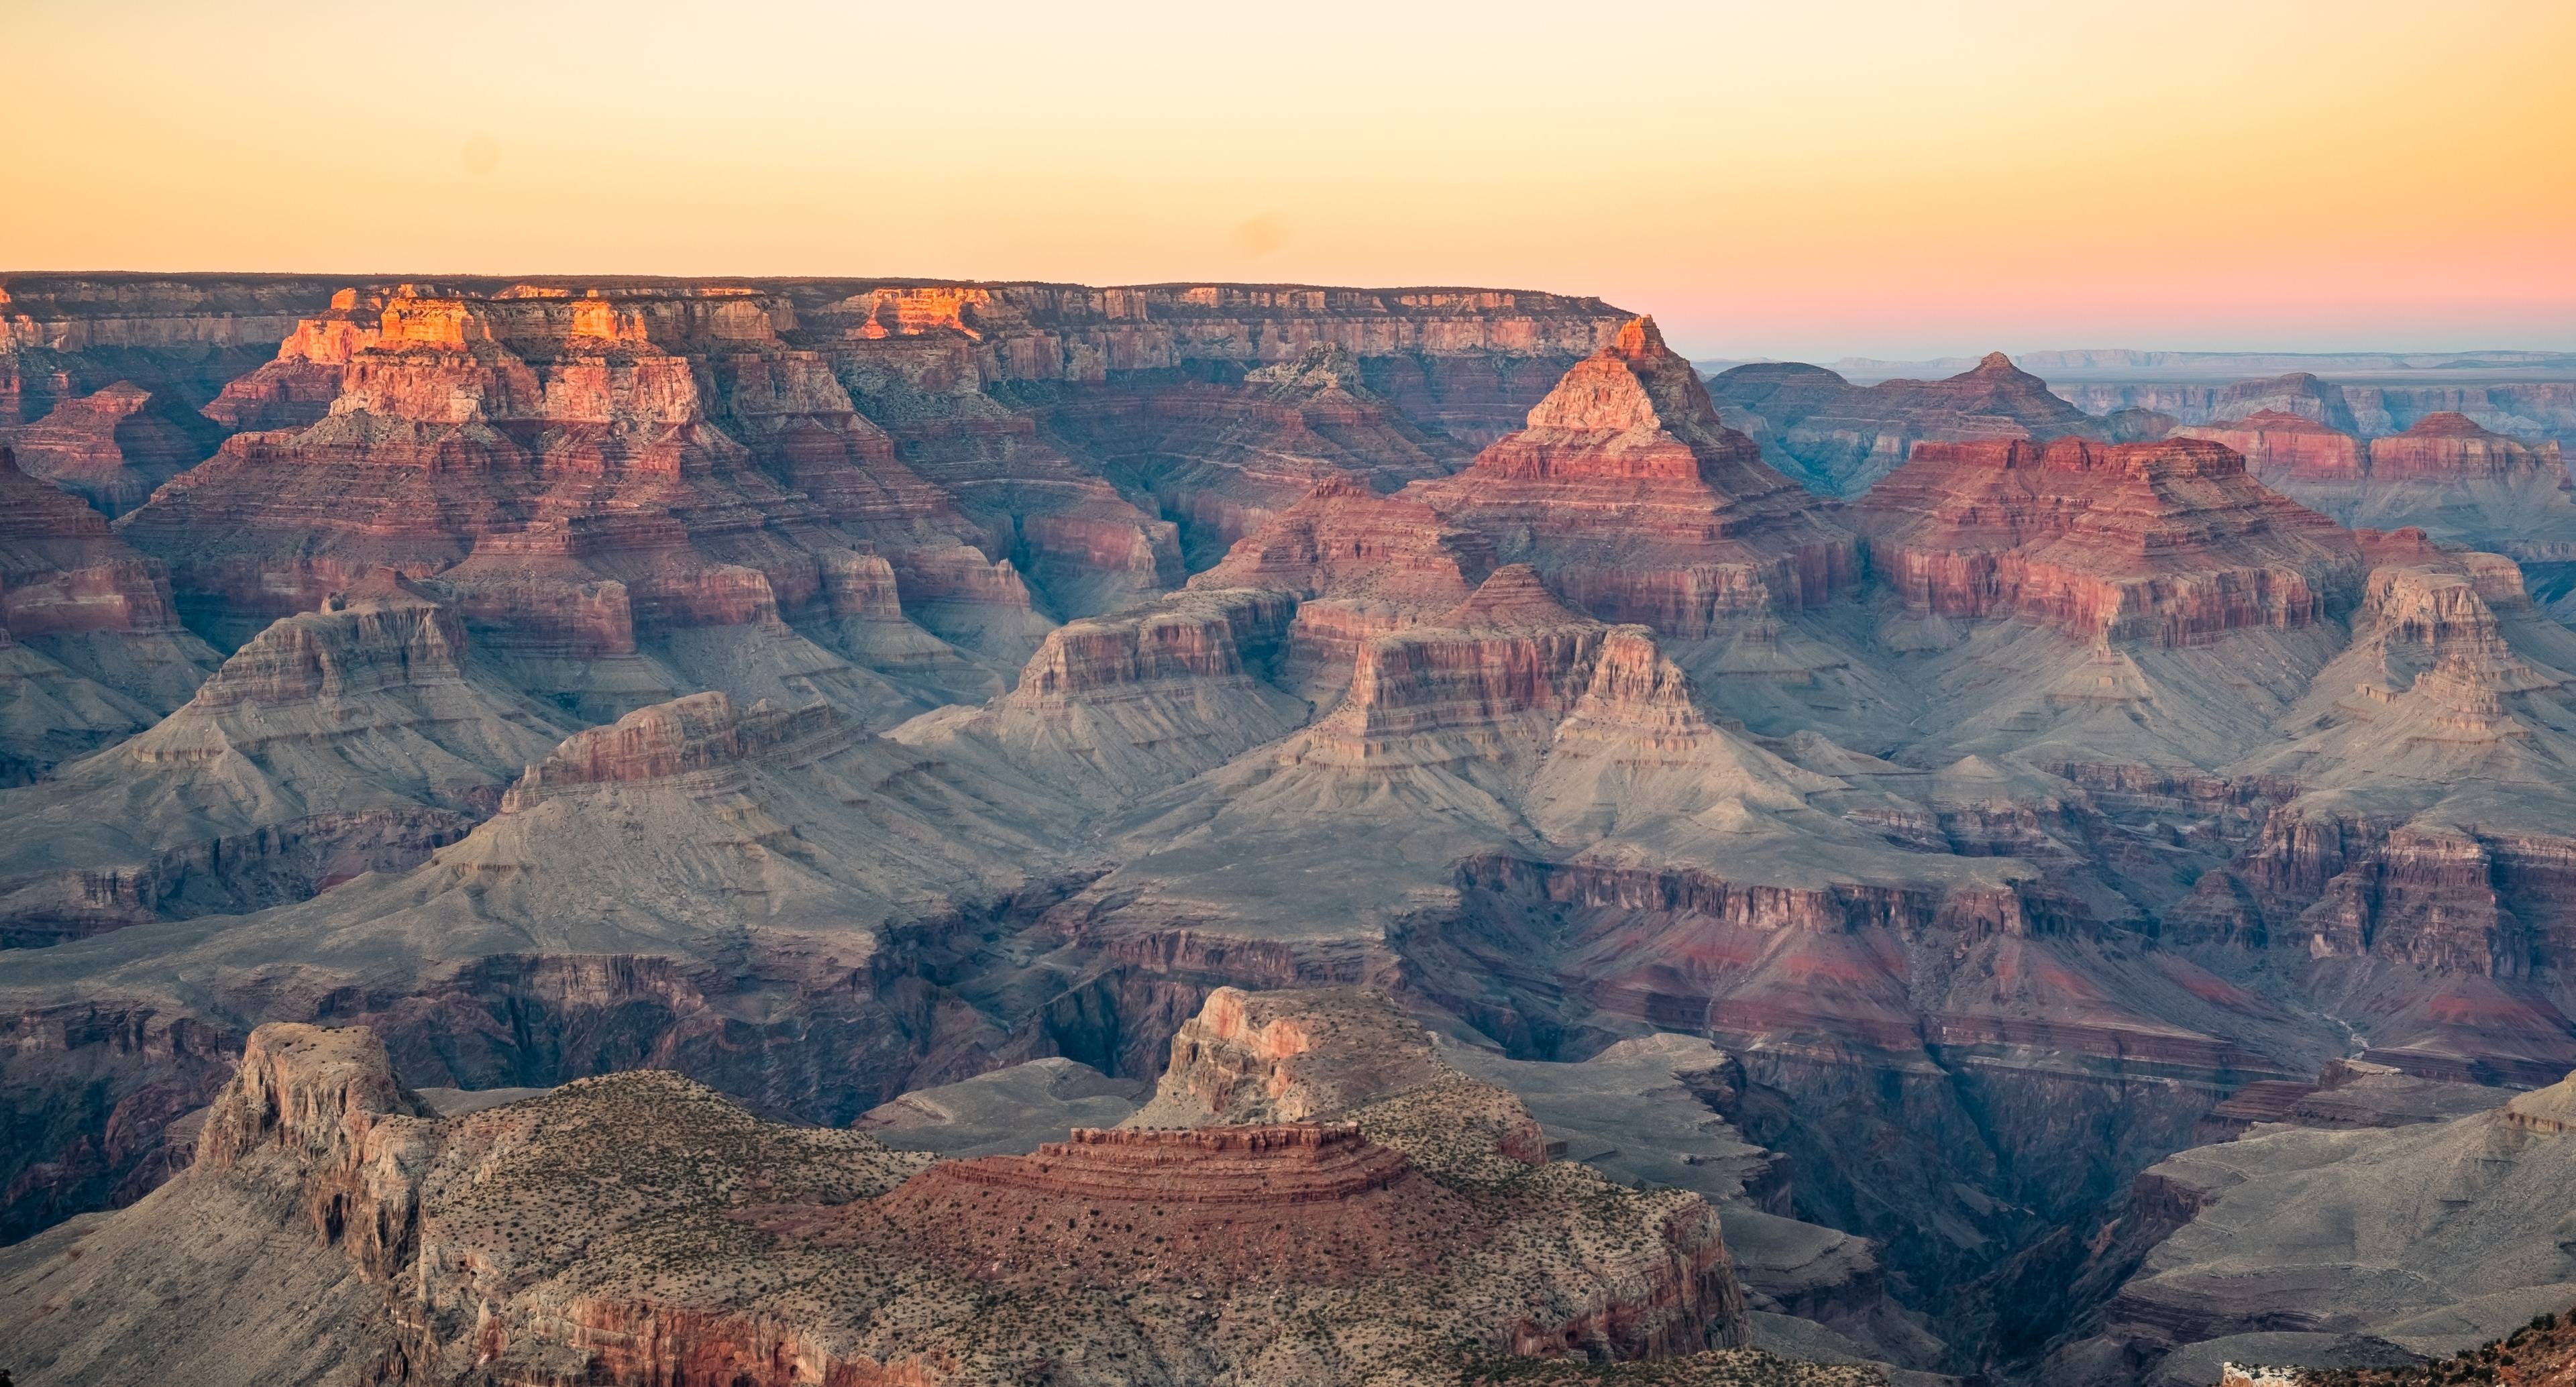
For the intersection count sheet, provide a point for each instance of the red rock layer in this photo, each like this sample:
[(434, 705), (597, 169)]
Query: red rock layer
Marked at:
[(62, 570), (2453, 447), (2280, 447), (1843, 437), (1221, 461), (1345, 541), (590, 424), (2170, 542), (1636, 504), (113, 447), (700, 732), (1217, 1207)]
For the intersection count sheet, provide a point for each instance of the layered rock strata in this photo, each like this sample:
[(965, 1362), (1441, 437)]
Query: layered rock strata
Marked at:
[(113, 447), (2167, 542), (429, 1247), (349, 740), (1633, 501), (1840, 438), (93, 649)]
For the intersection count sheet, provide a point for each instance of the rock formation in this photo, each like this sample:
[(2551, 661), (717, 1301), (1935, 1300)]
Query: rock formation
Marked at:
[(2448, 476), (1703, 529), (1840, 438), (2370, 1247), (601, 1229), (2281, 448), (90, 646), (1222, 461), (113, 447), (2167, 542), (344, 741)]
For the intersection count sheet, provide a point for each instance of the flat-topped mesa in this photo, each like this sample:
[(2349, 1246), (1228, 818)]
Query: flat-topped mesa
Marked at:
[(1202, 634), (2284, 447), (2447, 446), (1460, 689), (2170, 541), (1346, 541), (1626, 492), (702, 732), (111, 448)]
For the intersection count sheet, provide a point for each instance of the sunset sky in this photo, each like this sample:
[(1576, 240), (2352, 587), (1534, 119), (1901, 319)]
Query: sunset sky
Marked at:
[(1789, 177)]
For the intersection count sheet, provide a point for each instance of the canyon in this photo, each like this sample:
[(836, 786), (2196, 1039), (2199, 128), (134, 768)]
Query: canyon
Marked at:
[(799, 830)]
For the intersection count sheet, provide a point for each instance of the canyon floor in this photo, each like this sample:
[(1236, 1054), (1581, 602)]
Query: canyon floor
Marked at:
[(855, 832)]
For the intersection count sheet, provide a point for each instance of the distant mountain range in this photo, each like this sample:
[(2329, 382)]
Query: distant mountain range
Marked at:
[(2122, 363)]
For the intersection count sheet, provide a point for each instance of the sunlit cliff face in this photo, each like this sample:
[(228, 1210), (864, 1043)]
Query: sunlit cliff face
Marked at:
[(1856, 176)]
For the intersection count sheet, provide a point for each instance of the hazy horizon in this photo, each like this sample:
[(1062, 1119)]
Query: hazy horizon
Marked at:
[(1896, 181)]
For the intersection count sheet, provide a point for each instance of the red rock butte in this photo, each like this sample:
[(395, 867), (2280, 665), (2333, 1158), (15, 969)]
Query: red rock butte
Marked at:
[(1303, 1202), (2171, 541), (1634, 501)]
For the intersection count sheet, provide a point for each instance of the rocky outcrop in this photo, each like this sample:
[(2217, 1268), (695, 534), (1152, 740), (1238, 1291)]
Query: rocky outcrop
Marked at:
[(2281, 448), (487, 1245), (1637, 505), (2450, 447), (552, 457), (92, 648), (1294, 1056), (2170, 543), (113, 447), (1840, 438), (2265, 1262), (1114, 707), (344, 741), (1222, 461)]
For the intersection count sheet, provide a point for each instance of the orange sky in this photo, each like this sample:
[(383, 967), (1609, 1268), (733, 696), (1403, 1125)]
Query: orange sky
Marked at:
[(1790, 177)]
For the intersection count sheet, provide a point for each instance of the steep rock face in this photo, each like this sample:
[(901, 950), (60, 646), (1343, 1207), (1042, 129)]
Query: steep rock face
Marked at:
[(2362, 1247), (1841, 438), (67, 335), (2421, 871), (1292, 1056), (1638, 505), (2462, 484), (2449, 447), (1222, 461), (2281, 448), (113, 447), (315, 1158), (1464, 361), (93, 647), (1114, 707), (1344, 541), (552, 458), (343, 741), (2165, 542), (2298, 393)]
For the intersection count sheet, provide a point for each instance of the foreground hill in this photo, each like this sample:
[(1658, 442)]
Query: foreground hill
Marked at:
[(623, 1228)]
